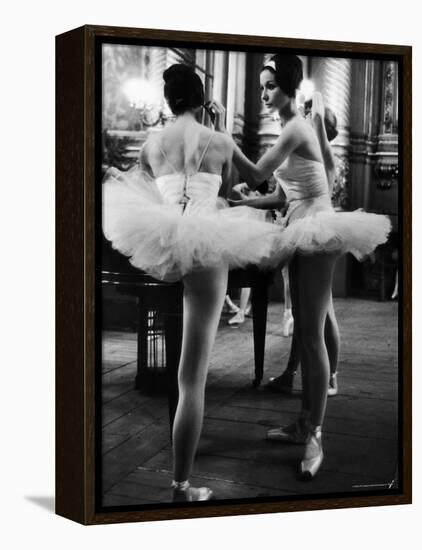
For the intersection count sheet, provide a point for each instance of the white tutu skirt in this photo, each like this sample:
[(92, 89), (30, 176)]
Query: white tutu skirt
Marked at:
[(167, 243), (317, 228)]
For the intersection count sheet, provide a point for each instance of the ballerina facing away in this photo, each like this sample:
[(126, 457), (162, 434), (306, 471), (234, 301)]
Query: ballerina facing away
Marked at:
[(165, 214)]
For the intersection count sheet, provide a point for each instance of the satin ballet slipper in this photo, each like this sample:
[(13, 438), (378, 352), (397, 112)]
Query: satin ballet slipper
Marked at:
[(332, 385), (183, 492), (238, 319), (296, 433), (283, 383), (313, 456)]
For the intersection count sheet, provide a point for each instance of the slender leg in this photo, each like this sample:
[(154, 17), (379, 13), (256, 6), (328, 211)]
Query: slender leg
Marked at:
[(315, 275), (202, 304), (239, 318), (295, 352), (286, 283), (259, 312), (288, 324), (285, 381), (332, 337), (173, 323), (244, 298)]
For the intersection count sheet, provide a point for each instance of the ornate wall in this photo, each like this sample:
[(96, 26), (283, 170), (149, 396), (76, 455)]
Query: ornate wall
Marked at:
[(374, 175), (332, 77), (364, 96)]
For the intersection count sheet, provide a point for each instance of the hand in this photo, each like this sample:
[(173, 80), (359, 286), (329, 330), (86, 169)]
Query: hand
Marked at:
[(217, 113), (318, 109), (241, 189), (233, 202)]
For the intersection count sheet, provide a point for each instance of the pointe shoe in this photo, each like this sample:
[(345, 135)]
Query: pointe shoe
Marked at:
[(313, 456), (288, 323), (238, 319), (296, 433), (332, 385), (283, 383), (183, 492)]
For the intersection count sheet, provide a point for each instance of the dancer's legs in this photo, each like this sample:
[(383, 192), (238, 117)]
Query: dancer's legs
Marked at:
[(332, 337), (294, 357), (332, 342), (203, 300), (233, 307), (244, 298), (314, 279), (295, 354), (286, 285), (288, 324), (239, 318)]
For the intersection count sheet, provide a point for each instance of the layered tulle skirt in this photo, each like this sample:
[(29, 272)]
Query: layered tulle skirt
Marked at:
[(312, 226), (168, 242)]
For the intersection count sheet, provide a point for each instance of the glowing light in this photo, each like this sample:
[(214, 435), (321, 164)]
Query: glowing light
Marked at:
[(140, 93), (306, 89)]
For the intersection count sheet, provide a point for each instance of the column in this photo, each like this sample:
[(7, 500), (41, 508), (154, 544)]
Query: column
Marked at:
[(333, 78)]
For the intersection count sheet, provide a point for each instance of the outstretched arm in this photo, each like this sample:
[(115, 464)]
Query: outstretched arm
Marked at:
[(255, 173), (275, 200)]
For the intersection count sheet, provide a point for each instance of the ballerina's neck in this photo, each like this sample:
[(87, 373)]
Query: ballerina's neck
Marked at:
[(288, 112), (188, 117)]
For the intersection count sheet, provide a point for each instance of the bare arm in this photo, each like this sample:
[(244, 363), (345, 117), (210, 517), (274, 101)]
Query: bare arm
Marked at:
[(226, 173), (255, 174), (326, 150), (275, 200)]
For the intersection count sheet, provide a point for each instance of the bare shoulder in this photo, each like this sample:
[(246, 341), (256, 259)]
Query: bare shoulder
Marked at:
[(224, 141), (298, 125), (151, 146)]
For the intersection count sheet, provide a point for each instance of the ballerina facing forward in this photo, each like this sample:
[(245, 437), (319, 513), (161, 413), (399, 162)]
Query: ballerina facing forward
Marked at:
[(313, 238)]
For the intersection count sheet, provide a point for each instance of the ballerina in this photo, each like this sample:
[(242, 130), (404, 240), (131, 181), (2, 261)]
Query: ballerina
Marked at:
[(166, 216), (313, 238), (326, 132)]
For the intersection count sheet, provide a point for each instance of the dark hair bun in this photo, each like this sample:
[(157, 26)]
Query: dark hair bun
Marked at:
[(330, 123), (183, 89), (288, 72), (330, 120)]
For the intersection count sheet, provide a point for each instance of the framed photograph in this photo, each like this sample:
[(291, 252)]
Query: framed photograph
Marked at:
[(233, 274)]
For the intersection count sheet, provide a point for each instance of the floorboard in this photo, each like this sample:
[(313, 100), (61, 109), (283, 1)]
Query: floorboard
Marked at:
[(360, 433)]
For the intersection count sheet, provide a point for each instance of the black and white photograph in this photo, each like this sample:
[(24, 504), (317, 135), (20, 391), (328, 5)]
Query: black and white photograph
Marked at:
[(250, 276), (210, 276)]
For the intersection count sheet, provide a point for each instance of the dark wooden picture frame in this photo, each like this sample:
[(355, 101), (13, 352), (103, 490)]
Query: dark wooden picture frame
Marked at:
[(78, 298)]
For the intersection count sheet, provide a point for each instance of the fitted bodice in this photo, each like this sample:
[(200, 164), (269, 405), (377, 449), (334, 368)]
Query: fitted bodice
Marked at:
[(201, 188), (305, 185), (302, 178)]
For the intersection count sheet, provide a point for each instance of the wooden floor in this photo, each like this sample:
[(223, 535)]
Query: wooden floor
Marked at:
[(234, 459)]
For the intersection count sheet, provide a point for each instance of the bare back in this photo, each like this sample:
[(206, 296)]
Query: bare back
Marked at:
[(188, 148)]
